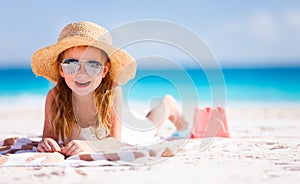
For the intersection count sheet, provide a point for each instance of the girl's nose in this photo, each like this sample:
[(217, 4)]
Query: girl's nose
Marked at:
[(82, 69)]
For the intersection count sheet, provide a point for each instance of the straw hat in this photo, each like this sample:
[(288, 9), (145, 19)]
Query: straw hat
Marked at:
[(44, 61)]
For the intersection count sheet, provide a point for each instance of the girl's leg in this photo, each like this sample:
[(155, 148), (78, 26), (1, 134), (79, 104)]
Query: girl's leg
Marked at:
[(168, 110)]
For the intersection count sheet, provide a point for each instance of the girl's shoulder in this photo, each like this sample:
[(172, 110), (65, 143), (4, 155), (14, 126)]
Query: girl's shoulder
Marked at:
[(117, 90), (51, 94), (53, 91)]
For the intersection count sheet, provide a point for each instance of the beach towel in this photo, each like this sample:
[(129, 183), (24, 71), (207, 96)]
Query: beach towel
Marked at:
[(16, 151)]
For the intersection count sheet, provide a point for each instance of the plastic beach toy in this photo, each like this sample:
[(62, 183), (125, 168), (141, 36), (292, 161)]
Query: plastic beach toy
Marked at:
[(210, 122)]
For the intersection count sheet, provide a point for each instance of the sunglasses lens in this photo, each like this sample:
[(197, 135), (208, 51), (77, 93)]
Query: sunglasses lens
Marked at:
[(93, 68), (70, 66)]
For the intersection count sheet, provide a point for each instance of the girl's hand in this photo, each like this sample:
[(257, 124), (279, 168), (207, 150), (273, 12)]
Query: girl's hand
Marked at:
[(48, 145), (76, 146)]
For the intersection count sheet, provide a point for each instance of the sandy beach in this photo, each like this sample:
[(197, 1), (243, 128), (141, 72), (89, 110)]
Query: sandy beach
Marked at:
[(264, 148), (242, 56)]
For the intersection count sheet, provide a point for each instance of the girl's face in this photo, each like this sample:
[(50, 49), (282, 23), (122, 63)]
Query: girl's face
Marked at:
[(85, 76)]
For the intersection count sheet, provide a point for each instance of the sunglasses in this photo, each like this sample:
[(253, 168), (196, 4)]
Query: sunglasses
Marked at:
[(92, 67)]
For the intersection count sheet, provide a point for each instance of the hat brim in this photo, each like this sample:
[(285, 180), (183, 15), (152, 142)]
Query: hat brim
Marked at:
[(44, 61)]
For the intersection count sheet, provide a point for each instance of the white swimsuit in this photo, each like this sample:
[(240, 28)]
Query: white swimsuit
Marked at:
[(87, 133)]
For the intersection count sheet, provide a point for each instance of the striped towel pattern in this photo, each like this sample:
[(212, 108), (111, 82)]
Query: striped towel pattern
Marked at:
[(22, 152)]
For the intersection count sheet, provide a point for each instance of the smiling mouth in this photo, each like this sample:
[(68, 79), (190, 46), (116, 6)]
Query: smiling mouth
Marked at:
[(82, 84)]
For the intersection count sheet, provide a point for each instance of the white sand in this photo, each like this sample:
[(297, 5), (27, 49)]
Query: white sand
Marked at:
[(264, 148)]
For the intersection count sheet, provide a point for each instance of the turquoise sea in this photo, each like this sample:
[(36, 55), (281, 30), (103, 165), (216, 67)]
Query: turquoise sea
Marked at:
[(249, 84)]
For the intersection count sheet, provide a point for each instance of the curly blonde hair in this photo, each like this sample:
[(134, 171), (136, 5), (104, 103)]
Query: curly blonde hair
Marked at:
[(63, 118)]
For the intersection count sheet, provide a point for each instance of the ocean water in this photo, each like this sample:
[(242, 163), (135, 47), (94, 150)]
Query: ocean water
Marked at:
[(237, 84)]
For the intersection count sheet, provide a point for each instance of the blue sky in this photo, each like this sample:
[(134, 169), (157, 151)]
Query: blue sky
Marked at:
[(239, 33)]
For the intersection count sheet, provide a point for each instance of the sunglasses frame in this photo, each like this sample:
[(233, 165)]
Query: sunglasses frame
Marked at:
[(73, 65)]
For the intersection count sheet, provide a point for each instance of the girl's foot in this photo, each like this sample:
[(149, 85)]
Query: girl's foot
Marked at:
[(175, 113)]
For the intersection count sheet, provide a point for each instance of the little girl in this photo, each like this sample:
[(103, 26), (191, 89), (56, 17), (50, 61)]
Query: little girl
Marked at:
[(86, 102)]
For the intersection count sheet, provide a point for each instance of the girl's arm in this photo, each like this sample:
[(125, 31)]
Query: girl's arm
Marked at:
[(49, 142), (47, 121), (116, 121)]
